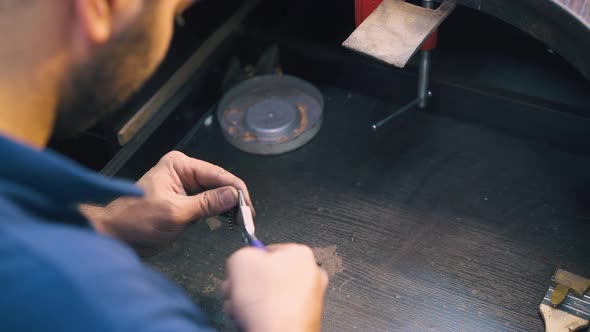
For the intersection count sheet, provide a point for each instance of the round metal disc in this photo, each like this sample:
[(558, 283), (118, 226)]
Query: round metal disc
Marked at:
[(271, 114), (271, 118)]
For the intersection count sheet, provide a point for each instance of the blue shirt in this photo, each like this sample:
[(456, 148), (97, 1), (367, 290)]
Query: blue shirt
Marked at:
[(56, 272)]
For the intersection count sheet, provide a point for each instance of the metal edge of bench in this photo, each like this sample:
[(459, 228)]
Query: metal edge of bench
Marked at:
[(160, 106)]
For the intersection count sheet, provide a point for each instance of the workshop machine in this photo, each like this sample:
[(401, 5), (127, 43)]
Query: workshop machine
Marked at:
[(435, 154)]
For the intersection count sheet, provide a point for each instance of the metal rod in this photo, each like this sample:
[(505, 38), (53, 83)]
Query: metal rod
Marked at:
[(424, 68), (396, 113), (400, 111), (423, 78)]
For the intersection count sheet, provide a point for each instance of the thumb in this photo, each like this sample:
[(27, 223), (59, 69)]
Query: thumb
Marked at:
[(213, 202)]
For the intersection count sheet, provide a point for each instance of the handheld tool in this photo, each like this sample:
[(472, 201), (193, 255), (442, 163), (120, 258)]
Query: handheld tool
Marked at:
[(243, 217), (566, 306)]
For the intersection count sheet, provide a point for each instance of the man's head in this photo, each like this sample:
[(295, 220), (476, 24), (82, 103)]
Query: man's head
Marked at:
[(121, 44), (101, 51)]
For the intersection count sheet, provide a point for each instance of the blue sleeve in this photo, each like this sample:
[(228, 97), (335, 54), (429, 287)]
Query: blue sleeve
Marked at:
[(74, 280)]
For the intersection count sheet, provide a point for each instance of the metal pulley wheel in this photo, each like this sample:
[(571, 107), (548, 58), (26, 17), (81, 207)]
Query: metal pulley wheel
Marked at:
[(271, 114)]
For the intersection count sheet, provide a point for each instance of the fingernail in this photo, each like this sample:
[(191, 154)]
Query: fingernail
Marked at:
[(228, 198)]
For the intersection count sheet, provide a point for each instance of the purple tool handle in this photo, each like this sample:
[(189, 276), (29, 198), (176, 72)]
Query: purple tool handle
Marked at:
[(257, 244)]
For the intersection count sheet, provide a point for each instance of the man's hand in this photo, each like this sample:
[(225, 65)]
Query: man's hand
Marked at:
[(178, 190), (280, 290)]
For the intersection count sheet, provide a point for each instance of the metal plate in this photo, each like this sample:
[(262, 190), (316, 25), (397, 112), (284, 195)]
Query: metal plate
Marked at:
[(271, 114), (395, 30)]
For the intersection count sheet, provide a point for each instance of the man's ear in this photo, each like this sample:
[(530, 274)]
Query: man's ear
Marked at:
[(96, 19)]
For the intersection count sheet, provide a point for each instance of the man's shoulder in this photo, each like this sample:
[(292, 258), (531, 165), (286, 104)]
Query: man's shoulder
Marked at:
[(63, 246), (61, 277)]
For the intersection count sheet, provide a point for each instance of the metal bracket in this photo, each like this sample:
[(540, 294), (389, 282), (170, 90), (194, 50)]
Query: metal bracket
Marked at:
[(408, 106), (423, 83)]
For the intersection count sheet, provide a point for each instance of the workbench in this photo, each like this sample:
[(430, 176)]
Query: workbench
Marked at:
[(451, 218), (431, 225)]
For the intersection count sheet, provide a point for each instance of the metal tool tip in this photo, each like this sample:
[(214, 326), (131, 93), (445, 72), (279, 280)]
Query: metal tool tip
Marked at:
[(241, 199)]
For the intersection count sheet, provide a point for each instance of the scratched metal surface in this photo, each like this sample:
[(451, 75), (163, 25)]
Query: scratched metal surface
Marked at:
[(441, 225)]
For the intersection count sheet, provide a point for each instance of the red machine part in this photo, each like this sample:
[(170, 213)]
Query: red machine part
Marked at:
[(430, 43), (364, 8)]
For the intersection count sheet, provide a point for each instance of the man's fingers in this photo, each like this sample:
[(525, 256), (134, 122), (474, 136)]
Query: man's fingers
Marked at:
[(198, 175), (324, 279), (211, 203), (276, 247), (211, 176), (245, 258)]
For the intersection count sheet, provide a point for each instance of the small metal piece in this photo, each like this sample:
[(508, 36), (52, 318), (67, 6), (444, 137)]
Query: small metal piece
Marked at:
[(566, 282), (559, 294)]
